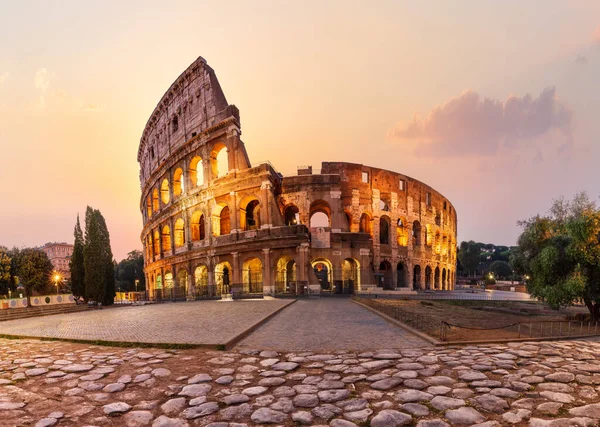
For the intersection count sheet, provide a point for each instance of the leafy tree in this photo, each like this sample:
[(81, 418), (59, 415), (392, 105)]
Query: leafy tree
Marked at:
[(5, 269), (77, 263), (469, 255), (501, 269), (98, 263), (129, 270), (34, 271), (560, 252)]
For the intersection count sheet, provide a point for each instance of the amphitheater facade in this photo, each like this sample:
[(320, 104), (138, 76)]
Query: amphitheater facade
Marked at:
[(215, 224)]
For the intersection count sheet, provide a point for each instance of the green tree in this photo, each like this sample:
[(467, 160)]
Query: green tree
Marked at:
[(77, 263), (34, 271), (5, 270), (98, 263), (129, 270), (560, 253), (468, 255), (501, 270)]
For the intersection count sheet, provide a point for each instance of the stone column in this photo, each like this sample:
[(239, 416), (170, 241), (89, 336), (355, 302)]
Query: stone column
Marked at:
[(337, 214), (212, 287), (190, 282), (233, 206), (265, 217), (302, 267), (268, 288), (160, 245), (236, 284), (172, 232)]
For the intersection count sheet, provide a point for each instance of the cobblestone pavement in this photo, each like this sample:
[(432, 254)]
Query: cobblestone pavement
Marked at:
[(522, 384), (329, 323), (197, 322)]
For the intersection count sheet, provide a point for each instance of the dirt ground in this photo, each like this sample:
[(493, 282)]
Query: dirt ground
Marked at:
[(476, 320)]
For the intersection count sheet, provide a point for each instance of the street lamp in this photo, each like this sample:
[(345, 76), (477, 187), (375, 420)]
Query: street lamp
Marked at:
[(56, 279)]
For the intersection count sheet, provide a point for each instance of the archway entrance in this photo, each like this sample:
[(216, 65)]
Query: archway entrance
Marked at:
[(181, 286), (285, 280), (252, 276), (428, 277), (401, 276), (436, 280), (350, 276), (384, 276), (417, 277), (223, 278), (323, 270), (201, 281)]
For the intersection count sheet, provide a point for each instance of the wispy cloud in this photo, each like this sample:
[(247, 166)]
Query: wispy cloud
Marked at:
[(57, 99), (42, 83), (472, 125)]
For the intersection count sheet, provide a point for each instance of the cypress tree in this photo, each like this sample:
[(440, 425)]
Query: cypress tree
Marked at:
[(108, 265), (76, 264), (92, 258)]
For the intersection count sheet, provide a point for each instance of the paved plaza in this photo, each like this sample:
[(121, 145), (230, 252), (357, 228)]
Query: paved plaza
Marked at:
[(326, 324), (197, 322), (46, 383)]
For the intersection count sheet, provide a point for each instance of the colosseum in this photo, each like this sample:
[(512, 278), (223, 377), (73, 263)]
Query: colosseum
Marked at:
[(214, 224)]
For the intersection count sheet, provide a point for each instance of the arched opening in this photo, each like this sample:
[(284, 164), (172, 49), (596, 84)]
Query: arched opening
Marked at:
[(348, 220), (250, 214), (149, 207), (168, 285), (164, 191), (201, 281), (444, 285), (428, 235), (222, 278), (350, 275), (178, 185), (384, 230), (428, 277), (385, 275), (179, 233), (252, 276), (320, 214), (196, 171), (156, 243), (417, 277), (197, 226), (365, 224), (437, 243), (291, 215), (285, 280), (324, 272), (416, 233), (384, 205), (219, 160), (436, 279), (401, 276), (401, 232), (181, 287), (166, 239), (158, 282), (221, 216), (155, 204)]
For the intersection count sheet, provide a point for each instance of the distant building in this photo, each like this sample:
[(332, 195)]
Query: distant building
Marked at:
[(60, 255)]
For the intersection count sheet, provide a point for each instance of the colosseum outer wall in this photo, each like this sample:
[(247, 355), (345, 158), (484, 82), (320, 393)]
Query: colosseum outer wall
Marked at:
[(215, 224)]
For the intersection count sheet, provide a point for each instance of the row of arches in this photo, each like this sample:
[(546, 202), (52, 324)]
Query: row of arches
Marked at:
[(198, 172), (438, 279)]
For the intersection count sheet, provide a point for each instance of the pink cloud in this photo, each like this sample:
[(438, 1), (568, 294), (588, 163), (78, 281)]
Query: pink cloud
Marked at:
[(470, 124)]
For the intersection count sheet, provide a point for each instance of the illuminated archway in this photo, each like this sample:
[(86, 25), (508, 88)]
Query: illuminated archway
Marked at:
[(223, 276), (197, 226), (292, 215), (252, 276), (249, 213), (179, 233), (164, 191), (285, 279), (219, 160), (166, 238), (402, 232), (149, 207), (155, 204), (182, 282), (196, 171), (201, 280), (320, 214), (156, 242), (351, 275), (324, 272), (221, 220), (364, 225), (178, 184)]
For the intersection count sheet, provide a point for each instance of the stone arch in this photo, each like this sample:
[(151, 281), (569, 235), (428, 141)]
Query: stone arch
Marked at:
[(197, 226), (249, 213), (445, 245), (348, 216), (179, 233), (402, 232), (223, 277), (201, 280), (196, 171), (444, 284), (351, 275), (285, 275), (417, 277), (320, 214), (385, 275), (156, 244), (428, 235), (324, 271), (164, 191), (436, 279), (252, 275), (221, 216), (437, 243), (416, 234), (365, 224), (166, 238), (291, 215), (158, 284), (178, 184), (401, 276), (219, 160), (149, 207), (428, 277), (384, 230), (155, 203), (168, 280), (181, 284)]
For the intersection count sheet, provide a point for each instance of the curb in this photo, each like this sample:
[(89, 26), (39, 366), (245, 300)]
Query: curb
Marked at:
[(402, 325)]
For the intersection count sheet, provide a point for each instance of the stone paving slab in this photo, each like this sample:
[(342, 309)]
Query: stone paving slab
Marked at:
[(532, 384), (329, 324), (196, 322)]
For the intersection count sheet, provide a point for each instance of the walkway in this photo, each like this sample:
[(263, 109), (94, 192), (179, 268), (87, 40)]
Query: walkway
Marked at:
[(329, 324)]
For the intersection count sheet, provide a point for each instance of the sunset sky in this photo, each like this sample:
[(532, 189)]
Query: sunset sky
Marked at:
[(496, 104)]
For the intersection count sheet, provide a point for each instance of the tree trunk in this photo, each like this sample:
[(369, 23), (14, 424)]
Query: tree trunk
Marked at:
[(593, 308)]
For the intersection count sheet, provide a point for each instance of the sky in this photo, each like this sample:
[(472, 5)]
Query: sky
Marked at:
[(494, 104)]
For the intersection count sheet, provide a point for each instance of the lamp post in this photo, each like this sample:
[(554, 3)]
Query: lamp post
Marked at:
[(56, 279)]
